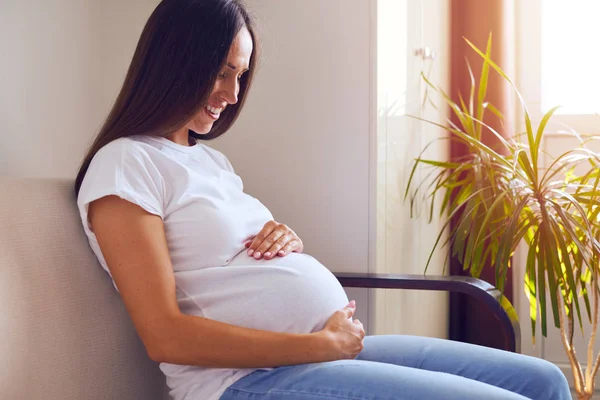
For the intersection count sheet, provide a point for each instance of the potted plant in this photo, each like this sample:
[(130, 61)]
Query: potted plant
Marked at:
[(501, 198)]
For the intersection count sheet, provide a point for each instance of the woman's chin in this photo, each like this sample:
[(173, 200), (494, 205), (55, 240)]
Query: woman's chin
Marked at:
[(202, 131)]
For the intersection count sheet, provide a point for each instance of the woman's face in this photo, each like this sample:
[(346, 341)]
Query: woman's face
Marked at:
[(227, 85)]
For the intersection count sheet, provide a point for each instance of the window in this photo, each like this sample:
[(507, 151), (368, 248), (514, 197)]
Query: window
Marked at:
[(558, 62), (570, 61)]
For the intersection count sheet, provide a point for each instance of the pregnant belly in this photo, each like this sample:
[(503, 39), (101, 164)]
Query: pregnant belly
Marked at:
[(294, 294)]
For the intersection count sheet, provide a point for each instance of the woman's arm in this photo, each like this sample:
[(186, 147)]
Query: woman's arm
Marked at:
[(134, 246)]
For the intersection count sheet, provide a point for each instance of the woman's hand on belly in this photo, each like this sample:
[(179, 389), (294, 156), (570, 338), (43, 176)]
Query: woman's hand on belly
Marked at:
[(273, 240), (345, 335)]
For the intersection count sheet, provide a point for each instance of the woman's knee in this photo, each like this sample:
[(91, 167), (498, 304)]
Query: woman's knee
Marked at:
[(547, 381), (557, 382)]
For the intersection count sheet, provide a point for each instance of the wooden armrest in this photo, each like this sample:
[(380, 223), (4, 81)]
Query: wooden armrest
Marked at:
[(482, 291)]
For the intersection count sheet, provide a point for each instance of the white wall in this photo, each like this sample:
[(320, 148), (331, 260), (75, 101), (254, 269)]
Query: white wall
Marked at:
[(61, 65), (302, 143)]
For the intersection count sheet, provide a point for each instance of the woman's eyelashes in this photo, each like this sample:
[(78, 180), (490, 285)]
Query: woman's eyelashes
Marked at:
[(225, 75)]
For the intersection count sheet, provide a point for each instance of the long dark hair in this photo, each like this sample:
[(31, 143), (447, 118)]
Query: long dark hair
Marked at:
[(178, 57)]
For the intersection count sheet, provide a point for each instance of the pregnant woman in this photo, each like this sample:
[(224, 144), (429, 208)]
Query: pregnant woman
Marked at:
[(221, 294)]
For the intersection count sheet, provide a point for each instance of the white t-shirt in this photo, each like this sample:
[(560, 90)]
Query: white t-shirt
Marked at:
[(207, 219)]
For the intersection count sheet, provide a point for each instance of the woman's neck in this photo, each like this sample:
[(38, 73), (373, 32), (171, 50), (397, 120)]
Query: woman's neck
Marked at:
[(180, 137)]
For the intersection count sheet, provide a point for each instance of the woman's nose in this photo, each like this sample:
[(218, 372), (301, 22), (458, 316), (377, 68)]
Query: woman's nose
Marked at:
[(230, 94)]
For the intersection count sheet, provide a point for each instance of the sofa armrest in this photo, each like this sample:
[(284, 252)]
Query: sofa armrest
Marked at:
[(482, 291)]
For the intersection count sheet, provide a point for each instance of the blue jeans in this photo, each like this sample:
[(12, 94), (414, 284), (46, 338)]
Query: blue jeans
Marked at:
[(410, 368)]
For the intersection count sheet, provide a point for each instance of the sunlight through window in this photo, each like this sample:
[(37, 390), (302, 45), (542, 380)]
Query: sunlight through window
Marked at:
[(570, 57)]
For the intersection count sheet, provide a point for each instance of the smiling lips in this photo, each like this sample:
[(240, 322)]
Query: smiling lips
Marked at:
[(214, 112)]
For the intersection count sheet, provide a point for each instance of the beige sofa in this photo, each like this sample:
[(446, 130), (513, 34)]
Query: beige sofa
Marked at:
[(64, 333)]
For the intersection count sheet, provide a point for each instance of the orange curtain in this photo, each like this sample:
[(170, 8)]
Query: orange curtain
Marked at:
[(475, 20)]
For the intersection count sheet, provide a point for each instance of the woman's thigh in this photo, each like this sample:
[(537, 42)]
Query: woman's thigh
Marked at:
[(360, 380), (529, 376)]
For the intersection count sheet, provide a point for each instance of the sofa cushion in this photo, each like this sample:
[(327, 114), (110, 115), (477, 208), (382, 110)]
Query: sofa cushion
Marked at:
[(64, 332)]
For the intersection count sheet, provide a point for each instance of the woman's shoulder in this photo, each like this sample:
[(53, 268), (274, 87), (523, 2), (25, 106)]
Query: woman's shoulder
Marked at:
[(125, 156), (130, 151), (128, 145), (123, 168)]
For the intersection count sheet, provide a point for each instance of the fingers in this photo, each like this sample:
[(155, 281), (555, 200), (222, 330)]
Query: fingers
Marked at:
[(271, 240), (274, 240), (298, 246), (349, 309), (258, 239), (290, 247), (362, 328), (276, 247)]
